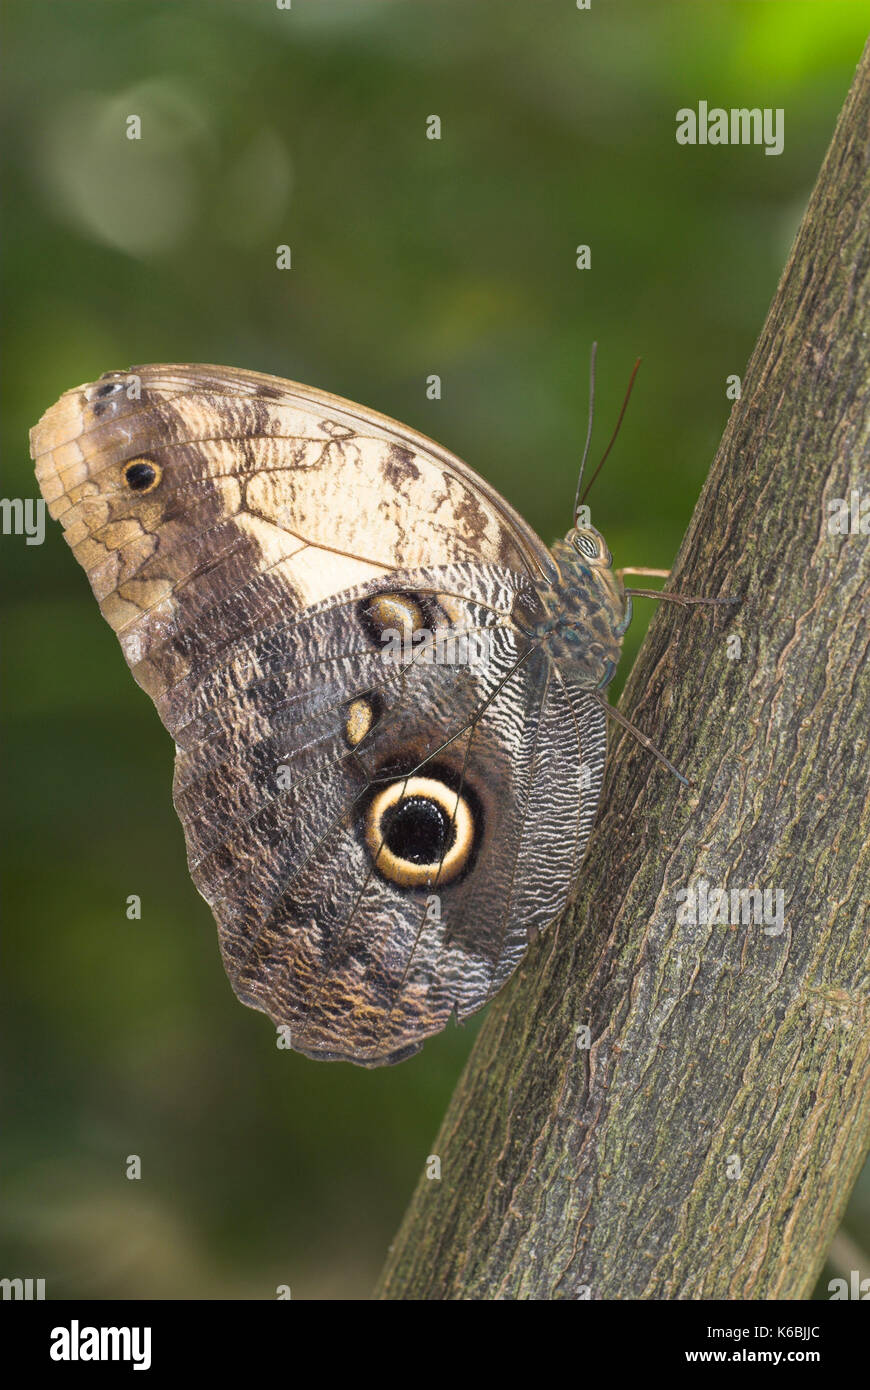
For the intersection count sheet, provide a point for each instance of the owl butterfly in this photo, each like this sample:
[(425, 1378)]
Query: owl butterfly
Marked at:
[(386, 693)]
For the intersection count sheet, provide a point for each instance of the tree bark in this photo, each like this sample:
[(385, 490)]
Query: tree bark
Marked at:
[(704, 1143)]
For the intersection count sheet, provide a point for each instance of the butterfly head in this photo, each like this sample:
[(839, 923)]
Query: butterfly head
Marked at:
[(591, 547)]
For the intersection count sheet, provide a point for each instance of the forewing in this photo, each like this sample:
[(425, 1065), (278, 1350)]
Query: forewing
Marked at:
[(267, 494)]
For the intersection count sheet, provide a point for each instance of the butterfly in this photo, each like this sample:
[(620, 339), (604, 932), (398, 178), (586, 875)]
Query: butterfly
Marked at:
[(386, 693)]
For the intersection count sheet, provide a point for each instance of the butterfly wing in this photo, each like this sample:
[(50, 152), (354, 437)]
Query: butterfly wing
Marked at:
[(362, 943), (253, 542), (255, 475)]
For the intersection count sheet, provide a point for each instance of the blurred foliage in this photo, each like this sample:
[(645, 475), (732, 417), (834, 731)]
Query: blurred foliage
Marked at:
[(307, 127)]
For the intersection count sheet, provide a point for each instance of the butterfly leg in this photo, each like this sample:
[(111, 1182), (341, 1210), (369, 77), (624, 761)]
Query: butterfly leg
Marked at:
[(666, 594), (685, 599), (641, 738)]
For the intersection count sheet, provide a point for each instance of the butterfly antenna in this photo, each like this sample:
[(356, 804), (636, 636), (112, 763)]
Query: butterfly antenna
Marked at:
[(588, 427), (613, 436)]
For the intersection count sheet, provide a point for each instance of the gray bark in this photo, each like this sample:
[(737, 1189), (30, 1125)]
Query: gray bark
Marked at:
[(705, 1143)]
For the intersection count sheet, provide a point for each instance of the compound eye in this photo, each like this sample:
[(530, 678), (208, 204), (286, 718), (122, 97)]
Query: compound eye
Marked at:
[(586, 545)]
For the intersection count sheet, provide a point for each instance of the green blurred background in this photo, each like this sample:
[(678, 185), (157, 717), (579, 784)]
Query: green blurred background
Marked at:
[(307, 127)]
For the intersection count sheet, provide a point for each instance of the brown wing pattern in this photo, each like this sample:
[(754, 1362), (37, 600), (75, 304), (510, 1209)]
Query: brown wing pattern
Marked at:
[(246, 538)]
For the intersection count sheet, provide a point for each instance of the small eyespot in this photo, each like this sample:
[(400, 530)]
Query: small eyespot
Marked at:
[(361, 715), (142, 475)]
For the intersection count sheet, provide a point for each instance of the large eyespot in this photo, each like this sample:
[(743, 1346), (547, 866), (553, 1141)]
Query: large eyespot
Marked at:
[(142, 474), (420, 831)]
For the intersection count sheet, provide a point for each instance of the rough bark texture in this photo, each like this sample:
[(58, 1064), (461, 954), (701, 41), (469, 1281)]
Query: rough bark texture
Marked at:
[(704, 1144)]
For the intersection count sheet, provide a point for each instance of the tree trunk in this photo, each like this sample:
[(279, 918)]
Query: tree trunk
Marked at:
[(704, 1143)]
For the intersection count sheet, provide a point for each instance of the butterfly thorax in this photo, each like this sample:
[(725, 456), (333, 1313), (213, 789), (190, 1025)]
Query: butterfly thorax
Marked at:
[(585, 614)]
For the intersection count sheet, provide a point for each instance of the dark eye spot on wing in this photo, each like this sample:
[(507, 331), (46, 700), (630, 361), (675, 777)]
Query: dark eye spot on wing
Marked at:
[(142, 475), (419, 830), (424, 829), (104, 399), (399, 611)]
